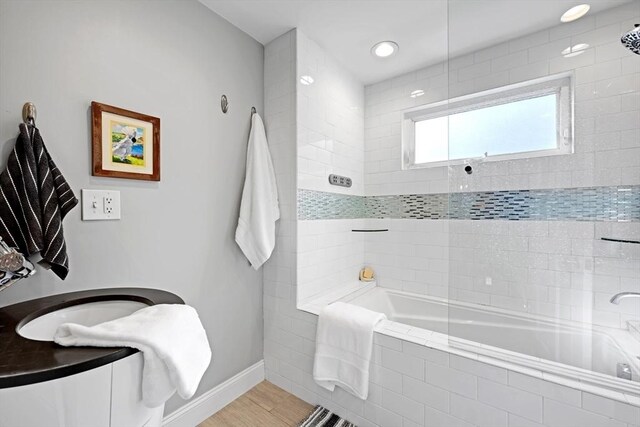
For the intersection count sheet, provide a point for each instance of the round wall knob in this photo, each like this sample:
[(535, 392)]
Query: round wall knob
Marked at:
[(224, 104)]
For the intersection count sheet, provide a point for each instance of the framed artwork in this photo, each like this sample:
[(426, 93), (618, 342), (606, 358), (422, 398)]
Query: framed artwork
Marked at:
[(125, 144)]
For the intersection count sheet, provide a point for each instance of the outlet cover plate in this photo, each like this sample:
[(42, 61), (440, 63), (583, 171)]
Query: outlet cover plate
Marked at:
[(341, 181), (100, 205)]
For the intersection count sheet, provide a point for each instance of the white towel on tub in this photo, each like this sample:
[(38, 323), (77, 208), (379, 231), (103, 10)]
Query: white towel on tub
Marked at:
[(259, 211), (173, 342), (344, 340)]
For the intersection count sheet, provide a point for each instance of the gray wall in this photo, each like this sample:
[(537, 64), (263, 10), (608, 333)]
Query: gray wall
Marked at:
[(173, 60)]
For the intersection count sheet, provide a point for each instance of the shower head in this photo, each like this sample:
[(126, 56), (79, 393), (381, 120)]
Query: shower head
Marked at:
[(631, 40)]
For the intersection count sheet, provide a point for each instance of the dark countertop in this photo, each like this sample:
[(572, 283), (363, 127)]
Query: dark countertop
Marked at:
[(24, 361)]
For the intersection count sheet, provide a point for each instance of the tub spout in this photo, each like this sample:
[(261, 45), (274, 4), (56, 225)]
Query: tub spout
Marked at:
[(623, 371), (622, 295)]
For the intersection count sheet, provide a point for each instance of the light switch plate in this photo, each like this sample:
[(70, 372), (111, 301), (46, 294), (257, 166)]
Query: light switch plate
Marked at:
[(100, 205)]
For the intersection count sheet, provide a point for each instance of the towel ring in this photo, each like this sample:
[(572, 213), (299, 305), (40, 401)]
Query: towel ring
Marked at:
[(29, 113)]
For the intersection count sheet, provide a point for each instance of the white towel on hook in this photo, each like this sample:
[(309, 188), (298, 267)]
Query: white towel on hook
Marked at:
[(173, 342), (259, 211), (344, 340)]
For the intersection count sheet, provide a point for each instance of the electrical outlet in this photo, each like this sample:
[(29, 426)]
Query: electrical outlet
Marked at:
[(342, 181), (108, 204), (100, 205)]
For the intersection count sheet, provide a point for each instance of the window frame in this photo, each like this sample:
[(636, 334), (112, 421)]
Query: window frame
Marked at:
[(561, 84)]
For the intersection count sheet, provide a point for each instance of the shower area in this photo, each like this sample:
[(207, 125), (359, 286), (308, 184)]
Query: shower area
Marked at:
[(543, 200), (513, 204), (495, 194)]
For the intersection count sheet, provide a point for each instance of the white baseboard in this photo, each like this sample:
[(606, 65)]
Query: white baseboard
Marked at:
[(201, 408)]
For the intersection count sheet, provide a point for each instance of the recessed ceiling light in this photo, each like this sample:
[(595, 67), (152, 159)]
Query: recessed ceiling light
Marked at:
[(575, 50), (576, 12), (306, 80), (416, 93), (384, 49)]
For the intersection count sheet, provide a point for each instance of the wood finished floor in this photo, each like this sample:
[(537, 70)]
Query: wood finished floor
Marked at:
[(265, 405)]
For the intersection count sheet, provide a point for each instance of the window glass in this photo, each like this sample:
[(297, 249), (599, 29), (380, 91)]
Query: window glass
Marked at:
[(525, 120), (516, 127)]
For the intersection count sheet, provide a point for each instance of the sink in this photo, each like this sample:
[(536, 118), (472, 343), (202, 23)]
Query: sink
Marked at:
[(44, 327)]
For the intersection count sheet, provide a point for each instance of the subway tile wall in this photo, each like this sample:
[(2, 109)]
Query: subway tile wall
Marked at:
[(280, 270), (534, 266), (607, 111), (559, 269), (330, 256), (581, 186), (330, 121), (330, 140)]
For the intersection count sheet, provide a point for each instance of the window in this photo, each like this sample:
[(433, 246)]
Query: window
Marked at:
[(528, 119)]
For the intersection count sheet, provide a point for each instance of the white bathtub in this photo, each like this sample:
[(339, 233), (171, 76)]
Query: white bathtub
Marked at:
[(568, 349)]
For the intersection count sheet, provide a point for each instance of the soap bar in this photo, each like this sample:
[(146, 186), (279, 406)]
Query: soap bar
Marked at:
[(366, 274)]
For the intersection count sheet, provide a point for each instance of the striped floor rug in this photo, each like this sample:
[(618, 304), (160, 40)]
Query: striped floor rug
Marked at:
[(322, 417)]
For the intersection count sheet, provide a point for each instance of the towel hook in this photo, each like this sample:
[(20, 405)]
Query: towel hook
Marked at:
[(29, 113), (253, 110)]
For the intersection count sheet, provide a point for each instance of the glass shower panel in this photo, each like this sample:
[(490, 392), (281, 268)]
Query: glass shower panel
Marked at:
[(541, 238), (408, 204)]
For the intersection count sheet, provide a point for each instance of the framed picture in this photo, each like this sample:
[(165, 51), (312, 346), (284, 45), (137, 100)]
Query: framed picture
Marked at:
[(125, 144)]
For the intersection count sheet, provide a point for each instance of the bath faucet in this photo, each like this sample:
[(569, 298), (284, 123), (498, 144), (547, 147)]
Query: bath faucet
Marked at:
[(622, 295), (13, 266)]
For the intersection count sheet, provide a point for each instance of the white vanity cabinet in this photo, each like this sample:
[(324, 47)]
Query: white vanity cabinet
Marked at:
[(108, 396), (47, 385), (127, 408)]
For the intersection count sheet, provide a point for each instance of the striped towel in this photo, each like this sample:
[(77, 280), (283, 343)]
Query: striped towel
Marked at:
[(34, 198)]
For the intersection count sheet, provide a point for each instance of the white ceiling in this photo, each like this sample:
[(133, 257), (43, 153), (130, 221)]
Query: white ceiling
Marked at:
[(424, 29)]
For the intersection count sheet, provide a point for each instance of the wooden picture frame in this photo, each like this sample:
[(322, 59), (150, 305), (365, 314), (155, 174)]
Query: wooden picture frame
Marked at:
[(125, 144)]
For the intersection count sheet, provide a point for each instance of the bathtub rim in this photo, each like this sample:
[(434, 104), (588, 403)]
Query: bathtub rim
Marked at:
[(613, 333), (589, 381), (595, 379)]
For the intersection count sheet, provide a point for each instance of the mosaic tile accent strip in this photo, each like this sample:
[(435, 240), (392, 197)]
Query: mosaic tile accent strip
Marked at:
[(577, 204), (321, 205), (424, 206), (416, 206)]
